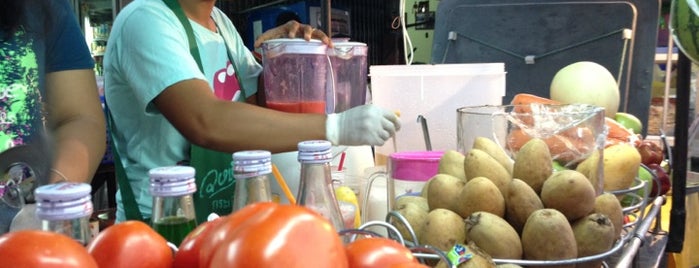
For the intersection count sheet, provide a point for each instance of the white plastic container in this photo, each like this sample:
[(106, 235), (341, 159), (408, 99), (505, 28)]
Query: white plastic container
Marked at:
[(435, 92)]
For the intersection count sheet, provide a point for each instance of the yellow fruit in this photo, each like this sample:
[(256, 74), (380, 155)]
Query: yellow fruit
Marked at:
[(345, 193), (621, 164)]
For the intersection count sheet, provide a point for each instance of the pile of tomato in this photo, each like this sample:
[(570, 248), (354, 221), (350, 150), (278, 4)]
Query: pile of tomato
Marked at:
[(259, 235)]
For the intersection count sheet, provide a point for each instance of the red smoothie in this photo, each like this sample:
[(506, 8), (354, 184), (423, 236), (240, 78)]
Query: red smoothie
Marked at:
[(317, 107)]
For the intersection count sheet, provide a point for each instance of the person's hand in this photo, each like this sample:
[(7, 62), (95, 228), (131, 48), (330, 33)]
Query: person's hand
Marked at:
[(293, 29), (361, 125)]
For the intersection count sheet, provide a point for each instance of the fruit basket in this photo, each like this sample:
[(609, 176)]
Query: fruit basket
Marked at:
[(633, 213), (543, 162)]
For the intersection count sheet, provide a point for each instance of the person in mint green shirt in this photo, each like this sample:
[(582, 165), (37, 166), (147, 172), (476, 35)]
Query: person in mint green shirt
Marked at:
[(165, 104)]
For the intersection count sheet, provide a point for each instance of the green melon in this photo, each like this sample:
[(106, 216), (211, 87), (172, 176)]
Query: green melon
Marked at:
[(685, 27)]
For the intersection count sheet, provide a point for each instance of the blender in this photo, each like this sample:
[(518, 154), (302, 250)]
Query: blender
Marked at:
[(349, 75), (298, 79), (295, 75)]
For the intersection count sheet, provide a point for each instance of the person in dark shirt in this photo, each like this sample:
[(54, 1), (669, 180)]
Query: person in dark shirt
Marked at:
[(48, 89)]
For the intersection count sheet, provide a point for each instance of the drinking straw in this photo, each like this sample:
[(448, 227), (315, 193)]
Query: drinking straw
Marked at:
[(280, 179), (342, 161)]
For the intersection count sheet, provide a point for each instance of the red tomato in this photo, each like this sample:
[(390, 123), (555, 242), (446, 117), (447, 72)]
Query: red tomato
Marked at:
[(225, 229), (377, 252), (409, 265), (273, 235), (34, 248), (131, 244), (187, 255)]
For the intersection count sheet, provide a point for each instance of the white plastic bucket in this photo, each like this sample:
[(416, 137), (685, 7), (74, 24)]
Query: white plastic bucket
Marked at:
[(433, 92)]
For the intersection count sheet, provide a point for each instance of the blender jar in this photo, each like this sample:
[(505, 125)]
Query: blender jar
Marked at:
[(349, 69), (295, 75)]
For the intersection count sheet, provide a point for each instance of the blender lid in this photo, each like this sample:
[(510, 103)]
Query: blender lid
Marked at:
[(349, 43), (348, 49), (340, 39), (292, 40), (294, 46)]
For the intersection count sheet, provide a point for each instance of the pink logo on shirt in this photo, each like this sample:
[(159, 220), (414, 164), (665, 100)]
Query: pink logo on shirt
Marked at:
[(226, 84)]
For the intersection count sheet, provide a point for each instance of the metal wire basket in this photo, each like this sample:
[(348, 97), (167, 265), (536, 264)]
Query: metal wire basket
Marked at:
[(421, 252), (633, 212)]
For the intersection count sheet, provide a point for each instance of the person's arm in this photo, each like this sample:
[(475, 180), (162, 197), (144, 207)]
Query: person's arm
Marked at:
[(227, 126), (234, 126), (77, 125)]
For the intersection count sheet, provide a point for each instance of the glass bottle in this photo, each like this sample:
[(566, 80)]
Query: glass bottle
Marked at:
[(315, 187), (65, 208), (173, 205), (251, 170)]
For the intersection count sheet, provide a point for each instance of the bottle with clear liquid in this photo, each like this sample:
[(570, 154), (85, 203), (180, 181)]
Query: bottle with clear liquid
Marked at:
[(252, 171), (65, 208), (315, 187), (173, 205)]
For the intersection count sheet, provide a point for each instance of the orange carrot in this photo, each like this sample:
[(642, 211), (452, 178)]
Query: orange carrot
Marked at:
[(522, 103), (524, 98), (617, 132), (571, 146)]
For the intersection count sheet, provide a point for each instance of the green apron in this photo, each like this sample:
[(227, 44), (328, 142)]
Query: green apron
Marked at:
[(214, 172)]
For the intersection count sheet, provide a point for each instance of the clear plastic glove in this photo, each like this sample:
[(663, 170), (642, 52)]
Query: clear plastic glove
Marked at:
[(361, 125)]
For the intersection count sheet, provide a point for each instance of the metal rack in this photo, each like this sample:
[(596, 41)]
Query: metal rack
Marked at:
[(644, 236)]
